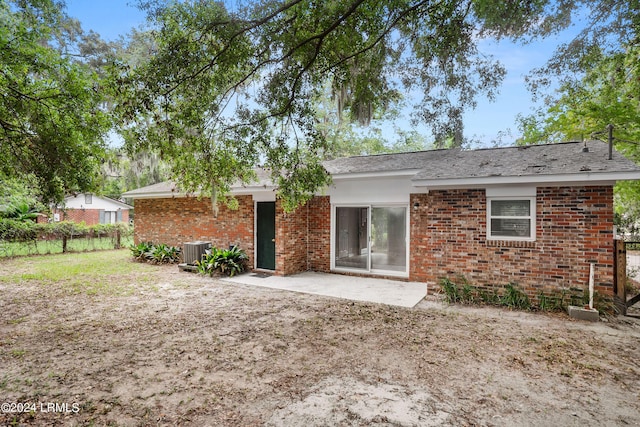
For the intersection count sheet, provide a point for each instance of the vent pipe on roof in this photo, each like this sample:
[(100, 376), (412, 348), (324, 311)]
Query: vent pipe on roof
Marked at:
[(585, 149), (610, 138)]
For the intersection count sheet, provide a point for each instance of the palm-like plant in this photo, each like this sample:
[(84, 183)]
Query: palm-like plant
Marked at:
[(223, 261), (20, 211)]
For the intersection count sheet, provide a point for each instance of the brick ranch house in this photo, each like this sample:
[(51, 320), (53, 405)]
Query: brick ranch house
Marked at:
[(91, 210), (535, 215)]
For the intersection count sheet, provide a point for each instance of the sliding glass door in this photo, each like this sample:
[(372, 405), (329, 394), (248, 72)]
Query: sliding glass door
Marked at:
[(351, 237), (388, 238), (371, 238)]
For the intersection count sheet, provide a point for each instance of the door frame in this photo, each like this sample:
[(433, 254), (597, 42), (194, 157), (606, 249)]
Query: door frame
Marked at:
[(255, 235), (369, 270)]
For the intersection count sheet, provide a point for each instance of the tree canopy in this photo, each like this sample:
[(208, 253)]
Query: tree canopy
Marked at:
[(216, 88), (227, 88), (51, 117), (604, 92)]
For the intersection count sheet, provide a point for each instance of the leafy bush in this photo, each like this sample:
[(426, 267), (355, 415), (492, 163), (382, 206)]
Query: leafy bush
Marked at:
[(465, 293), (141, 251), (19, 210), (512, 296), (163, 254), (155, 254), (12, 230), (551, 302), (450, 290), (223, 261), (491, 298), (515, 298)]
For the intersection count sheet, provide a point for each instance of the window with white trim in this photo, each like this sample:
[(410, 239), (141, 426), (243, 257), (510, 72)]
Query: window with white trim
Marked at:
[(511, 218), (109, 217)]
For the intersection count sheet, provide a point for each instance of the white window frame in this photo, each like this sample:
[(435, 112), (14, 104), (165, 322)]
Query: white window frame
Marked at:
[(110, 216), (531, 217), (370, 270)]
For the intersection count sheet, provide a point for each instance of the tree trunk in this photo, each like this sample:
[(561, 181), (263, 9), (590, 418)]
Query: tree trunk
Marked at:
[(214, 200)]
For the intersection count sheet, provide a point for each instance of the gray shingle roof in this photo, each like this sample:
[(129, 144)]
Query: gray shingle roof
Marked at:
[(169, 188), (527, 164), (551, 159), (166, 187)]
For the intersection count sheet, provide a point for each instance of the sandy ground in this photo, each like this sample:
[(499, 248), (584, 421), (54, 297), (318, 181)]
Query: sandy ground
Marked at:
[(191, 350)]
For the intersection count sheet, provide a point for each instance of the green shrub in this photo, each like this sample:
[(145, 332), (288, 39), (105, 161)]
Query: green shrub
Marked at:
[(12, 230), (491, 298), (461, 291), (515, 298), (165, 254), (155, 254), (223, 261), (468, 294), (551, 302), (465, 293), (141, 251), (450, 290)]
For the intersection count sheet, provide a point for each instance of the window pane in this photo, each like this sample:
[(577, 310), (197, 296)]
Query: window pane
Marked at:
[(351, 237), (511, 227), (388, 238), (510, 208)]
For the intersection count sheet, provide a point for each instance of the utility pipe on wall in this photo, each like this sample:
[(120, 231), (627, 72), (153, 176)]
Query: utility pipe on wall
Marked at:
[(610, 140), (592, 273)]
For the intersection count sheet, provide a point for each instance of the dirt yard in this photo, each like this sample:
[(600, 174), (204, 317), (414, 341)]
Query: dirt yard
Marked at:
[(180, 349)]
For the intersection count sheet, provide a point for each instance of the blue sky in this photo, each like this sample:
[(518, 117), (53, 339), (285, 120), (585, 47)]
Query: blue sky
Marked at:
[(113, 18)]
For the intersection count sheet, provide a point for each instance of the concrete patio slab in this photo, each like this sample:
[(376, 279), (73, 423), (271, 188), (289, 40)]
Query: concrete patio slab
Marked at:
[(366, 289)]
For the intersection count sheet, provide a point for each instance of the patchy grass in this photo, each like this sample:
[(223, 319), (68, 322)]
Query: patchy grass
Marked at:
[(90, 273), (140, 344)]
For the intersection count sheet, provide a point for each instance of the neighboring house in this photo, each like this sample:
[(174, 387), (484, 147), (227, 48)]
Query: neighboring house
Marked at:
[(92, 209), (535, 215)]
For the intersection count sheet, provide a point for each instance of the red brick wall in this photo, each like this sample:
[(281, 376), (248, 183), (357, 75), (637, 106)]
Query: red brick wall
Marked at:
[(574, 227), (175, 221), (291, 240), (319, 253), (303, 237), (88, 216)]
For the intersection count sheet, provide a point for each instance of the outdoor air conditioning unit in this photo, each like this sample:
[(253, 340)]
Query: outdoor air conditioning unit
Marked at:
[(193, 251)]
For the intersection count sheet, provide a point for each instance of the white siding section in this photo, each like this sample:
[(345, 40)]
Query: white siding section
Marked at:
[(511, 191), (371, 190), (264, 196), (78, 202)]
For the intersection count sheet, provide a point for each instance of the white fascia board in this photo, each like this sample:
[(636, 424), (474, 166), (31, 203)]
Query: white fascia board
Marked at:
[(605, 178), (364, 175), (120, 204), (159, 195), (238, 191)]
